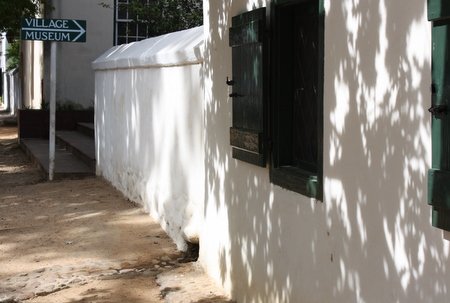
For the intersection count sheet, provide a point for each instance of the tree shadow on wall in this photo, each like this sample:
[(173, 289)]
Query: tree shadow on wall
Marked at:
[(371, 239)]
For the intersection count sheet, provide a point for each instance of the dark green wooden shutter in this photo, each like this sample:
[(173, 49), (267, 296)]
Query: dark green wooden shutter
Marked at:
[(438, 9), (439, 174), (248, 42)]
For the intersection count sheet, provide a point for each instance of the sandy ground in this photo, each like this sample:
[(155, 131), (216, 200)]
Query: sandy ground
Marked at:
[(81, 241)]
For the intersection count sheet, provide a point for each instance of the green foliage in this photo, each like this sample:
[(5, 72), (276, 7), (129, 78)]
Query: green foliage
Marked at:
[(13, 55), (105, 5), (12, 12), (165, 16)]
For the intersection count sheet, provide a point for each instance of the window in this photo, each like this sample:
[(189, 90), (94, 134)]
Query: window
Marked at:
[(296, 99), (439, 174), (126, 29), (287, 126)]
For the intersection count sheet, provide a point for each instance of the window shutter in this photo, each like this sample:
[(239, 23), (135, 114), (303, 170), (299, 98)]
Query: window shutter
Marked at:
[(248, 43), (439, 174), (438, 9)]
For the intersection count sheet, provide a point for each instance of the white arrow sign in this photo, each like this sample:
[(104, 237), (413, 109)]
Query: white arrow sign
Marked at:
[(60, 30)]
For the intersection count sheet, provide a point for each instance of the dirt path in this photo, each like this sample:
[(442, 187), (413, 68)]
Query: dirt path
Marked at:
[(81, 241)]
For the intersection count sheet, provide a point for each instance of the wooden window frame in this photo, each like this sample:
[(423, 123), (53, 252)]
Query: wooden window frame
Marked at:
[(439, 173), (305, 181), (129, 23)]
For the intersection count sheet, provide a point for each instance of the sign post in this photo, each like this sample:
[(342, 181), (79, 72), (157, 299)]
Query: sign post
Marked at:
[(54, 30), (52, 126)]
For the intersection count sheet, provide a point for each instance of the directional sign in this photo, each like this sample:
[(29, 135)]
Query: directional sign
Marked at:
[(60, 30)]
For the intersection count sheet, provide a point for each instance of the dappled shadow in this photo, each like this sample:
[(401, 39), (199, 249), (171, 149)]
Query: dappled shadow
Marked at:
[(118, 293), (93, 295), (379, 130), (371, 239), (215, 300), (81, 229), (14, 165), (87, 218)]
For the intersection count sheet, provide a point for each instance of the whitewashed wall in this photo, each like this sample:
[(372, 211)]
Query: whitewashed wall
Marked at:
[(32, 73), (149, 127), (14, 91), (371, 239)]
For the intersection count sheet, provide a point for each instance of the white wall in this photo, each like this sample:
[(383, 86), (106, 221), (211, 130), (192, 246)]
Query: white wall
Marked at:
[(75, 78), (149, 128), (14, 91), (371, 239), (32, 73), (3, 80)]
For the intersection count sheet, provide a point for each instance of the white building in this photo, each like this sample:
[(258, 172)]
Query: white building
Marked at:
[(75, 77), (9, 80), (317, 148), (3, 44), (33, 73), (370, 238), (75, 82)]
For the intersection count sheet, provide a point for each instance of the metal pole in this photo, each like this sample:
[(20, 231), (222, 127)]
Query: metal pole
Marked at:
[(51, 162)]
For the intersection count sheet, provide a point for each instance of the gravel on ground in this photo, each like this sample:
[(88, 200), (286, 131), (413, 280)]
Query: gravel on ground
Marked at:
[(82, 241)]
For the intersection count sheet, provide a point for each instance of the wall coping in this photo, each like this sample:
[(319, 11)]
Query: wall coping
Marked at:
[(173, 49)]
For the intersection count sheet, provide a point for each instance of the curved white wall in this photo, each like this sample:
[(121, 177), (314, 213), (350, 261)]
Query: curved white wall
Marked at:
[(149, 128), (371, 239)]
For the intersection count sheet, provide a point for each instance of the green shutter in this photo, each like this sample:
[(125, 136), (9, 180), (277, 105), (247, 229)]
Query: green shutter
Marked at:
[(439, 174), (438, 9), (247, 40)]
